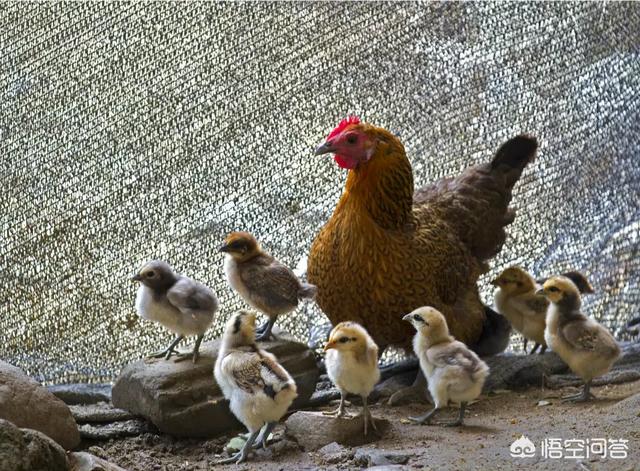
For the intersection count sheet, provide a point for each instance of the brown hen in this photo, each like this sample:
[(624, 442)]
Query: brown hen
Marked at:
[(386, 250)]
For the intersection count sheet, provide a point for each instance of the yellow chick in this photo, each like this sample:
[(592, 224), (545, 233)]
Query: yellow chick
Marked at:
[(258, 388), (454, 372), (516, 299), (352, 365), (587, 347)]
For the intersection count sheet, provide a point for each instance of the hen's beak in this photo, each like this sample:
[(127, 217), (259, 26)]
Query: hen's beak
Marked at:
[(136, 277), (540, 292), (325, 148), (329, 346), (495, 282), (407, 318)]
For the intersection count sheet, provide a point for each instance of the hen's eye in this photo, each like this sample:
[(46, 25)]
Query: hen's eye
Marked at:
[(151, 274), (343, 339), (352, 139)]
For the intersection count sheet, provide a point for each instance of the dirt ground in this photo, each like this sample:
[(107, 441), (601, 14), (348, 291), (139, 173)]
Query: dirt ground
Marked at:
[(492, 424)]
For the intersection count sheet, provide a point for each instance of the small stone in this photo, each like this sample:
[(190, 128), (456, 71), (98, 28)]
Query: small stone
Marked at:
[(82, 461), (543, 403), (236, 443), (82, 393), (333, 453), (99, 412), (127, 428), (376, 457), (313, 430)]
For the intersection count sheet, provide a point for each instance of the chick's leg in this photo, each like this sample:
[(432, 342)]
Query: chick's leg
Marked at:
[(368, 419), (261, 441), (166, 353), (534, 349), (195, 354), (525, 341), (460, 420), (242, 454), (264, 331), (426, 418), (584, 396), (417, 392), (339, 412), (542, 350)]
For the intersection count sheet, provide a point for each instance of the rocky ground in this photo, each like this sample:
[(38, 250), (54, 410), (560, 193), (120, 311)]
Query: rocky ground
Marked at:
[(492, 424)]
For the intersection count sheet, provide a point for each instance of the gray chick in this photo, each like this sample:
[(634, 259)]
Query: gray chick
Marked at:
[(182, 305), (263, 282)]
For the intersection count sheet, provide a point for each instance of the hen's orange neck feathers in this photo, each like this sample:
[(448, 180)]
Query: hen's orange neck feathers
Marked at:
[(383, 186)]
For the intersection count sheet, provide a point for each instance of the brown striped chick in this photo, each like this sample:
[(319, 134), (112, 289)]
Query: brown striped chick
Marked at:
[(262, 281), (516, 299), (352, 365), (587, 347), (258, 388), (454, 372)]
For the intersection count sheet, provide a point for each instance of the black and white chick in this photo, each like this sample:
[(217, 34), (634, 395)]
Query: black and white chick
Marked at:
[(587, 347), (454, 373), (258, 388), (182, 305), (352, 364), (262, 281)]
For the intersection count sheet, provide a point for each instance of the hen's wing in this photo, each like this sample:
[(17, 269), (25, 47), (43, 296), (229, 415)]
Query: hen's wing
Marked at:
[(256, 373), (588, 336), (273, 283), (190, 297)]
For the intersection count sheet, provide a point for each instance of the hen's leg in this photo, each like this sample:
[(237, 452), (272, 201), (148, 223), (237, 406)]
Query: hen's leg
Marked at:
[(543, 349), (166, 353), (265, 330), (242, 454), (417, 392), (534, 349), (525, 341)]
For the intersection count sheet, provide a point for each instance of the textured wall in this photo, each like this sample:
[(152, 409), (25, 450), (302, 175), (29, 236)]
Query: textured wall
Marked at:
[(136, 131)]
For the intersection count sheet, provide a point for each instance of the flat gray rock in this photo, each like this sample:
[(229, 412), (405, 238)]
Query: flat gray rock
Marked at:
[(375, 457), (126, 428), (183, 399), (79, 393), (29, 450), (99, 412), (28, 404), (313, 430), (83, 461)]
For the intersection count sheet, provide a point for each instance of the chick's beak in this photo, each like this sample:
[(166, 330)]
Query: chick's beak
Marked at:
[(540, 292), (223, 248), (136, 277), (407, 318), (329, 346), (325, 148)]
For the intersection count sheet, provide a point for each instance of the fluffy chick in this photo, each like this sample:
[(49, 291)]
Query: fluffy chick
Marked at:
[(264, 283), (258, 388), (516, 299), (182, 305), (352, 364), (587, 347), (454, 372)]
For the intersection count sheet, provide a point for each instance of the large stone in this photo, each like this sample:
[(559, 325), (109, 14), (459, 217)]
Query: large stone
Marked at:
[(183, 399), (83, 461), (313, 430), (29, 450), (28, 404), (99, 412)]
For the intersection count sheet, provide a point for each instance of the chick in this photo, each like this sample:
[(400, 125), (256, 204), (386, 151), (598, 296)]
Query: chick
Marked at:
[(588, 348), (182, 305), (264, 283), (454, 372), (258, 388), (352, 365), (516, 299)]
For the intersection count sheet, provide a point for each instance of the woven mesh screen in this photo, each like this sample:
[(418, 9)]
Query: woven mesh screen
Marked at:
[(138, 131)]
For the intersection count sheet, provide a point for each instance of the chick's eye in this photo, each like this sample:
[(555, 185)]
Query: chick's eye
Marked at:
[(417, 317), (343, 339), (553, 289), (150, 274)]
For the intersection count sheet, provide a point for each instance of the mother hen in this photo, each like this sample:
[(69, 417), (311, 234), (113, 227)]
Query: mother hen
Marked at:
[(386, 250)]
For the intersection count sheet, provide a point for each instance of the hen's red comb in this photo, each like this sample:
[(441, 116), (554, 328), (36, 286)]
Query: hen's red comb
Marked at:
[(343, 124)]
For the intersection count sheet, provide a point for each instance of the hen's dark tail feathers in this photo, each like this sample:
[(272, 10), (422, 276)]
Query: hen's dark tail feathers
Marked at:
[(581, 281), (513, 156), (307, 291), (496, 331)]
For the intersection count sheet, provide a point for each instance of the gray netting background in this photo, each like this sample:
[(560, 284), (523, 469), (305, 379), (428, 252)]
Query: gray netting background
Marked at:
[(129, 132)]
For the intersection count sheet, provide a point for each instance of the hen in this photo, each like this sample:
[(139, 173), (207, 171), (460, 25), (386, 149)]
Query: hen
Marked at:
[(386, 250)]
